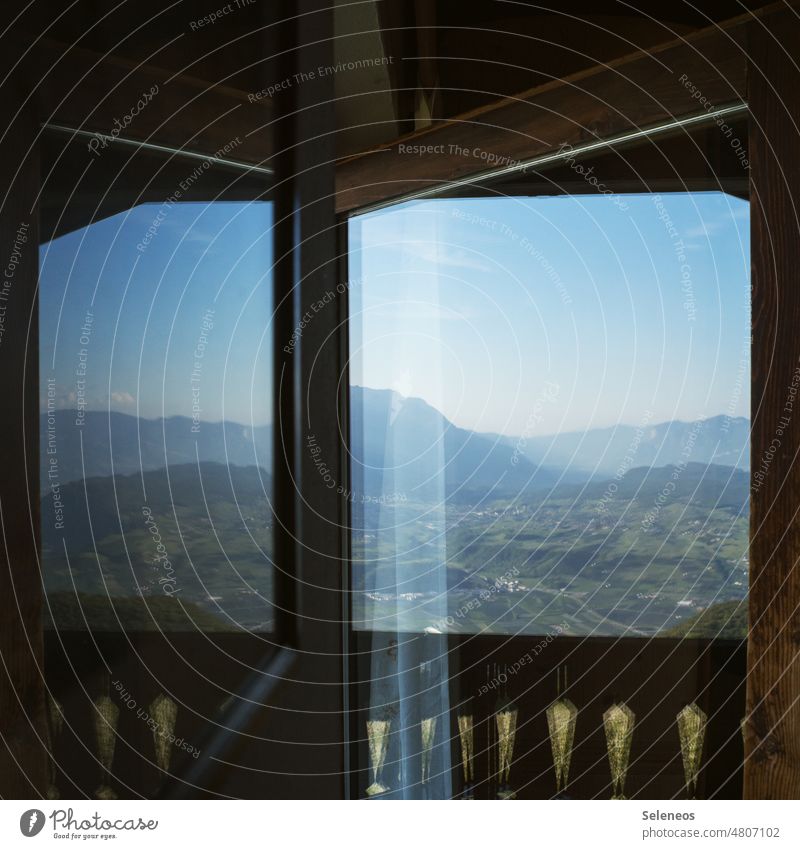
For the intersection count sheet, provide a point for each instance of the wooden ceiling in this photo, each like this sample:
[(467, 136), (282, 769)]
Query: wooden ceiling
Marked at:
[(585, 71), (637, 91)]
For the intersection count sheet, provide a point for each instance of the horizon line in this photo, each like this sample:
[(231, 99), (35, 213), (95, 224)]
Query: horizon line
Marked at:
[(487, 434)]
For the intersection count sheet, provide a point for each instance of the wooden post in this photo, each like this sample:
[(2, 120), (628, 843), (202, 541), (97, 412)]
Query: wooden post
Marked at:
[(23, 735), (772, 729)]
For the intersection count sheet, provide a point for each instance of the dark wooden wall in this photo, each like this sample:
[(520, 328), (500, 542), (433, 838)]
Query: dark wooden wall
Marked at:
[(23, 758), (772, 768)]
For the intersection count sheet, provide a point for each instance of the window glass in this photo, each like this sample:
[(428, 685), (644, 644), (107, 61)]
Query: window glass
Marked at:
[(156, 420), (550, 415), (550, 463)]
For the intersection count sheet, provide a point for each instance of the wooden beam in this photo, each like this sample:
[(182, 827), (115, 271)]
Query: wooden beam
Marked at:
[(709, 163), (772, 730), (85, 90), (634, 92)]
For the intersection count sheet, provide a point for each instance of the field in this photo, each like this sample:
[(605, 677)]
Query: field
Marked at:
[(633, 564), (643, 560)]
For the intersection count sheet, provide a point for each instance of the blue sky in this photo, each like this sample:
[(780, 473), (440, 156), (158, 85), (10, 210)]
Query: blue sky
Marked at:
[(151, 308), (546, 315), (509, 315)]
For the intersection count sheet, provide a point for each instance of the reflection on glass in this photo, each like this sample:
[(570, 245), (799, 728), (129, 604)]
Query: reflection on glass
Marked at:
[(106, 717), (561, 718), (55, 720), (692, 722), (156, 420), (618, 722), (506, 719), (466, 734), (378, 737)]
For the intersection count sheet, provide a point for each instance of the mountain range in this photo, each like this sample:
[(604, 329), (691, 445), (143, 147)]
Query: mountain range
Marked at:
[(120, 444), (398, 445), (189, 510), (718, 440)]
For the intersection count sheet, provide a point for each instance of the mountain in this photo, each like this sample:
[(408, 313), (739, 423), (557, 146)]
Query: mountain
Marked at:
[(537, 549), (401, 447), (399, 444), (116, 503), (404, 447), (141, 445), (709, 486), (605, 452), (70, 611)]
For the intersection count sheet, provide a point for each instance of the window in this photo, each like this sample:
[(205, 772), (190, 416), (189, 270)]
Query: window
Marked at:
[(156, 416), (551, 400), (156, 474), (182, 240), (550, 460)]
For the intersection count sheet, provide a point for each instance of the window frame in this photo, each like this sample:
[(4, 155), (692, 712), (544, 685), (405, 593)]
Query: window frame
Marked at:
[(686, 154)]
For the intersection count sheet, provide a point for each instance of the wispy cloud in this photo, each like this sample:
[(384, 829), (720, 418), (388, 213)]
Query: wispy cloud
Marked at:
[(417, 311), (123, 399), (426, 241), (738, 214), (445, 256)]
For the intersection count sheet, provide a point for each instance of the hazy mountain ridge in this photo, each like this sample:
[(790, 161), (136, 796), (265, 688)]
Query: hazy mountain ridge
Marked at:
[(405, 446), (399, 446), (143, 445), (718, 440), (711, 485)]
